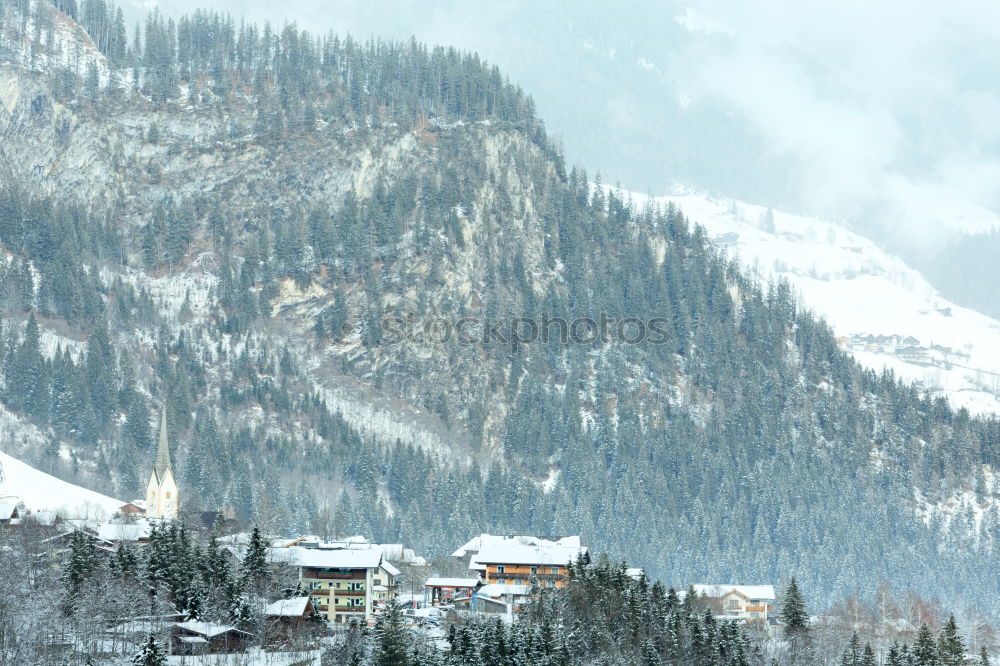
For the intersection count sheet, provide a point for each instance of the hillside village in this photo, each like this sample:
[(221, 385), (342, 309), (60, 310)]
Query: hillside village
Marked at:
[(329, 586), (340, 582)]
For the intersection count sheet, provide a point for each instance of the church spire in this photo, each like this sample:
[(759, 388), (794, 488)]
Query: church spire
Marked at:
[(162, 463)]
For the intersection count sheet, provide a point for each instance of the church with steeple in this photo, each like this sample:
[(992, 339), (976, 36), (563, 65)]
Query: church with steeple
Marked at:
[(162, 494)]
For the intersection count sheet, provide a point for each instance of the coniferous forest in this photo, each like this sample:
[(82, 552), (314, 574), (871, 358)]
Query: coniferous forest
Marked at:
[(236, 221)]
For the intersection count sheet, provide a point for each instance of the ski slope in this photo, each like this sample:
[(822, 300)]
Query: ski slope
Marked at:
[(39, 491), (862, 291)]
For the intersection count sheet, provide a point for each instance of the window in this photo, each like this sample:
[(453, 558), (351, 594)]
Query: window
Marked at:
[(338, 585), (500, 568), (552, 583), (553, 570), (501, 580), (376, 581), (534, 570)]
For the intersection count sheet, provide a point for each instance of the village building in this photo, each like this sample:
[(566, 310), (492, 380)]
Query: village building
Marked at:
[(744, 602), (515, 564), (290, 619), (344, 583), (439, 590), (162, 494), (500, 598), (10, 513), (191, 638)]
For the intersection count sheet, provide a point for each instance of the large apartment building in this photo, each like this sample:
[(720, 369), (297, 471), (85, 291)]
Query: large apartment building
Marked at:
[(344, 583)]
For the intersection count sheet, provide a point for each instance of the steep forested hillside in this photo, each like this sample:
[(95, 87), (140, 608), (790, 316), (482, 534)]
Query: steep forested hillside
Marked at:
[(273, 231)]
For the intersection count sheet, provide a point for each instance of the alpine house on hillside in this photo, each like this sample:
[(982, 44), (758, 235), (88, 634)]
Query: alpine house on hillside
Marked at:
[(518, 564), (746, 602)]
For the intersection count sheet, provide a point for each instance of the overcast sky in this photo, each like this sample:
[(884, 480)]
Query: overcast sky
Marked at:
[(857, 108)]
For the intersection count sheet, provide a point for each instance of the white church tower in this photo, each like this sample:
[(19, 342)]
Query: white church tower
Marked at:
[(162, 496)]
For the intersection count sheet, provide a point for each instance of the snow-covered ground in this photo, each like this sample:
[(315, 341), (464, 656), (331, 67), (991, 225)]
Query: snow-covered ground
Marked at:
[(862, 291), (42, 492)]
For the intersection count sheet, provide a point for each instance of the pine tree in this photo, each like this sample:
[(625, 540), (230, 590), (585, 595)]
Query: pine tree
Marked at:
[(254, 567), (149, 654), (793, 611), (391, 640), (83, 562), (925, 650), (868, 658), (951, 647), (852, 653), (984, 659)]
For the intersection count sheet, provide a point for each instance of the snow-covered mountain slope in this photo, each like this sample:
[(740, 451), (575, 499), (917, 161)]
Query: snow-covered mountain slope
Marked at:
[(42, 492), (37, 491), (882, 310)]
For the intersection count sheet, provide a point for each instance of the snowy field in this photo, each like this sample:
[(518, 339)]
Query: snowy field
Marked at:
[(42, 492)]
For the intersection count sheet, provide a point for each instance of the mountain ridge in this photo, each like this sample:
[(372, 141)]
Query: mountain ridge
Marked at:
[(221, 273)]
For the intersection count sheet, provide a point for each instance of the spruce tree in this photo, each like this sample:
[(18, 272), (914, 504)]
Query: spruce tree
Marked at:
[(391, 640), (951, 647), (254, 567), (925, 650), (793, 611), (149, 654), (868, 658)]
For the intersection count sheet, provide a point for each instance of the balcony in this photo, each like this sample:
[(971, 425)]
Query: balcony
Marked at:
[(349, 609), (351, 574)]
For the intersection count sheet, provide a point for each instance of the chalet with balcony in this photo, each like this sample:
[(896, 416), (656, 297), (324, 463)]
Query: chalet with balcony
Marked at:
[(344, 584), (523, 564), (740, 602)]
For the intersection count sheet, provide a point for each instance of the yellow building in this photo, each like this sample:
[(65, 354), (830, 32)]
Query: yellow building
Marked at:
[(162, 495)]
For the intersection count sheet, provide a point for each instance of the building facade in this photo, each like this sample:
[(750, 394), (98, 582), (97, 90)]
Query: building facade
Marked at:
[(546, 565), (744, 602), (344, 584)]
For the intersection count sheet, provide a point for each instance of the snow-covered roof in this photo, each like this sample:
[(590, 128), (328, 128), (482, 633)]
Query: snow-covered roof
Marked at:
[(393, 571), (476, 544), (347, 558), (8, 510), (294, 607), (439, 581), (207, 629), (495, 590), (765, 592), (541, 555), (124, 531)]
